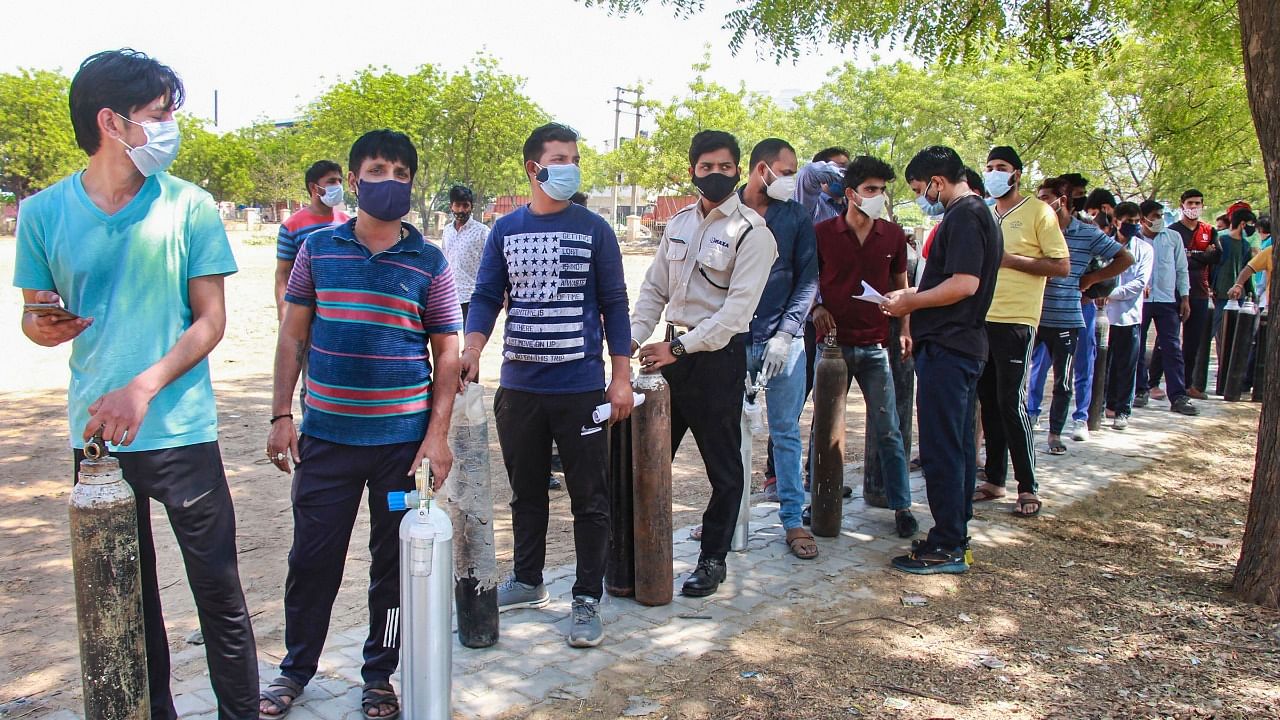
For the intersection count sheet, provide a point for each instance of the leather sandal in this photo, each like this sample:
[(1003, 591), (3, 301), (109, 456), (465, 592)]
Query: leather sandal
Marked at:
[(802, 543)]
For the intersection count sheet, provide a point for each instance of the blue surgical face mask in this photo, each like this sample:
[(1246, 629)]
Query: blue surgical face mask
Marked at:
[(930, 207), (160, 149), (331, 195), (835, 189), (386, 200), (559, 182), (1129, 229), (997, 182)]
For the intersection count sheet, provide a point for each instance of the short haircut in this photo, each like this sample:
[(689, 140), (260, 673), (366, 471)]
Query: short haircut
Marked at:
[(1191, 193), (1098, 197), (1149, 206), (1242, 216), (543, 134), (123, 80), (1223, 219), (710, 141), (1264, 223), (825, 154), (1059, 186), (1127, 209), (387, 145), (461, 194), (768, 150), (1075, 180), (973, 179), (319, 169), (937, 160), (865, 167), (579, 198)]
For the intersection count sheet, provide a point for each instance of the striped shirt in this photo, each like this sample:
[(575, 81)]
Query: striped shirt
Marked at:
[(562, 274), (1061, 308), (368, 370), (295, 229)]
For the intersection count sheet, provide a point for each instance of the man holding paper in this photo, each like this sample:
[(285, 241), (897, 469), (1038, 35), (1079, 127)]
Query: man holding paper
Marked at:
[(858, 255)]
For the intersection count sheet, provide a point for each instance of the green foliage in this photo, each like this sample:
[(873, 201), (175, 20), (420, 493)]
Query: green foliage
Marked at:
[(221, 164), (37, 145)]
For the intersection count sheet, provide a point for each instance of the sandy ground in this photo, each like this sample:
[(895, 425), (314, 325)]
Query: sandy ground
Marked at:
[(38, 653)]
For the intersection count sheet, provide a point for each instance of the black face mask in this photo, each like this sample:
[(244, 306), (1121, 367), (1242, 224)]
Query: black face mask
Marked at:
[(462, 217), (1077, 204), (716, 186)]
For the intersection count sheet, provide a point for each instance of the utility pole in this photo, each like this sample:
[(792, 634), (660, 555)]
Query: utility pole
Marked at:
[(215, 107), (618, 102)]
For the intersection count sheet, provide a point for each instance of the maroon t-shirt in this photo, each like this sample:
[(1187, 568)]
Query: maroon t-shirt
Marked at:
[(844, 263)]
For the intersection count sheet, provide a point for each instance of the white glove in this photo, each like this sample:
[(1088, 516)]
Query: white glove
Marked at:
[(776, 352)]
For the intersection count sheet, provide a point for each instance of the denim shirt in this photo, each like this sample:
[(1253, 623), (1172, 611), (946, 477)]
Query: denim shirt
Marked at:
[(793, 279), (1169, 277)]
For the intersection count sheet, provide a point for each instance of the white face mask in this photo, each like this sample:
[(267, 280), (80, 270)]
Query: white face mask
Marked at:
[(161, 148), (1157, 225), (782, 188), (998, 182), (332, 195), (1191, 213), (872, 207)]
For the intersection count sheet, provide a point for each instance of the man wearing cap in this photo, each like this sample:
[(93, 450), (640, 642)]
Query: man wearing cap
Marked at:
[(1034, 250)]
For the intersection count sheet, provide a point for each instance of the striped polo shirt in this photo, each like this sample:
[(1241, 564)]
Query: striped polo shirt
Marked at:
[(295, 229), (368, 370)]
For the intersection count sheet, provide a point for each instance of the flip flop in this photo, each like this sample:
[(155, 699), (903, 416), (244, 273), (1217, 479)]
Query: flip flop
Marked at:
[(985, 494), (802, 543), (1056, 447), (1019, 510)]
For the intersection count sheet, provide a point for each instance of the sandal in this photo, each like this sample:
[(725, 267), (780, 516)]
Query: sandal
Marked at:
[(696, 533), (376, 695), (280, 693), (984, 493), (1025, 499), (802, 543), (1056, 447)]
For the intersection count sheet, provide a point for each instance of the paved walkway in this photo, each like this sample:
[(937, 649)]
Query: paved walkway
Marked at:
[(528, 665)]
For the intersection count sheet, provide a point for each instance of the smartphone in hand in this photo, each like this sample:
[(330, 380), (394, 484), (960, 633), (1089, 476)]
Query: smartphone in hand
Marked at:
[(50, 309)]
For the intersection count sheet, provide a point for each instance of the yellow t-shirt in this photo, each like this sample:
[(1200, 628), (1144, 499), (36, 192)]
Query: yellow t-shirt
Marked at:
[(1031, 230), (1262, 261)]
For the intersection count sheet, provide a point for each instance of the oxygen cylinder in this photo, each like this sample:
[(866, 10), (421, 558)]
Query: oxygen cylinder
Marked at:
[(828, 439), (426, 603), (108, 581), (1260, 359), (1098, 396), (742, 529), (620, 569), (903, 371), (1226, 344), (1241, 343), (469, 502), (651, 496)]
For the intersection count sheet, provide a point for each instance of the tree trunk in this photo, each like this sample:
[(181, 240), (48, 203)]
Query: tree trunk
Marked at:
[(1257, 577)]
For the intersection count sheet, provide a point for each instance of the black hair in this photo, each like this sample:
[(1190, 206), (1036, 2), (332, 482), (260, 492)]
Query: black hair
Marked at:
[(1059, 186), (1242, 216), (1264, 223), (825, 154), (1127, 209), (768, 150), (1149, 206), (579, 198), (319, 169), (936, 160), (1191, 193), (1098, 197), (1102, 220), (461, 194), (1075, 180), (387, 145), (973, 179), (1223, 219), (543, 134), (122, 80), (710, 141), (864, 167)]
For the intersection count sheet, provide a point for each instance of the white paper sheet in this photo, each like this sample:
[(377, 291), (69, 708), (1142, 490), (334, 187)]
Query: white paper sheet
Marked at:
[(869, 294), (602, 413)]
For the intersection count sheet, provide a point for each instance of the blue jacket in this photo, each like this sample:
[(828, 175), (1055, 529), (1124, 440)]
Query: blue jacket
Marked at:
[(793, 279)]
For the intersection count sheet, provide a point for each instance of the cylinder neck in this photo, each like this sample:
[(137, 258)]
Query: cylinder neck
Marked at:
[(830, 347), (99, 472)]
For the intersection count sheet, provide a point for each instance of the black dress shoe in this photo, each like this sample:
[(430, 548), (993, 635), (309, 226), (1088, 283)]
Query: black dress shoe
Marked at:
[(706, 579), (905, 523)]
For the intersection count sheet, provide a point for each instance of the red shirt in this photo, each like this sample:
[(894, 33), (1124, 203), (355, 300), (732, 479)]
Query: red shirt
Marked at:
[(844, 263)]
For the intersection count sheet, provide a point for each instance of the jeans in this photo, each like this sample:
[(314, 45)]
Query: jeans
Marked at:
[(1002, 390), (784, 401), (1122, 367), (1194, 335), (1082, 366), (869, 365), (945, 410), (1168, 345)]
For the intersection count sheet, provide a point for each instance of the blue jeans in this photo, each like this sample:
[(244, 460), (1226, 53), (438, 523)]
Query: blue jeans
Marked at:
[(945, 411), (1086, 356), (869, 365), (785, 401)]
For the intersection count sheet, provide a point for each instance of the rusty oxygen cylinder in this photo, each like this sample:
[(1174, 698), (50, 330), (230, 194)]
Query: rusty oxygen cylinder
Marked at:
[(651, 496), (108, 580), (620, 562), (903, 372), (1098, 400), (828, 439)]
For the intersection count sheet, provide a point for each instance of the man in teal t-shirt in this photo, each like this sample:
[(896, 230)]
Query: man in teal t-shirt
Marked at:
[(139, 257)]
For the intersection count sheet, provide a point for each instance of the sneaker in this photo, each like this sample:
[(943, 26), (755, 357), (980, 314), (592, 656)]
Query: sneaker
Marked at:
[(926, 560), (513, 595), (1185, 406), (585, 629), (1140, 399), (1121, 422), (553, 483), (905, 523), (1157, 394), (1079, 430), (1035, 421), (968, 552)]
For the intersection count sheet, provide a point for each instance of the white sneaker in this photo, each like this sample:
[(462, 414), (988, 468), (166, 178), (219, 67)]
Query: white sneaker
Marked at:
[(1035, 422), (1079, 430)]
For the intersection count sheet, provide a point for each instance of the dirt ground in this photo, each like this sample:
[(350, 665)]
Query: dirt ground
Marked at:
[(39, 668), (1118, 608)]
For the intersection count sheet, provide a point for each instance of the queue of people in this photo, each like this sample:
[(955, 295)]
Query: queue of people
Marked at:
[(384, 329)]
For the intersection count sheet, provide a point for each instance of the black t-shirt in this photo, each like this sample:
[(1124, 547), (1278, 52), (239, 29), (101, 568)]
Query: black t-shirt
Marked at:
[(969, 242)]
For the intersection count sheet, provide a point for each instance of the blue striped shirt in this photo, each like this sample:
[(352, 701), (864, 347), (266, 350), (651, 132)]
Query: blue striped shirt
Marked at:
[(1061, 308)]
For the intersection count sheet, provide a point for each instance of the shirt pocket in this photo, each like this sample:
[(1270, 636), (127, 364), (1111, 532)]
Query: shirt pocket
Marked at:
[(677, 250), (715, 262)]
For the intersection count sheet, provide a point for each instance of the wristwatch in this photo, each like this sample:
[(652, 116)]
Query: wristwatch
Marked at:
[(677, 348)]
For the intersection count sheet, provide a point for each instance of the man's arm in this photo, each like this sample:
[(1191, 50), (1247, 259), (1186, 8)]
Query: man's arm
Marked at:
[(750, 272), (611, 298), (49, 330), (1119, 263), (1138, 284), (291, 350), (444, 389), (1180, 265), (948, 292), (653, 295), (120, 412), (1042, 267), (805, 283), (283, 269)]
